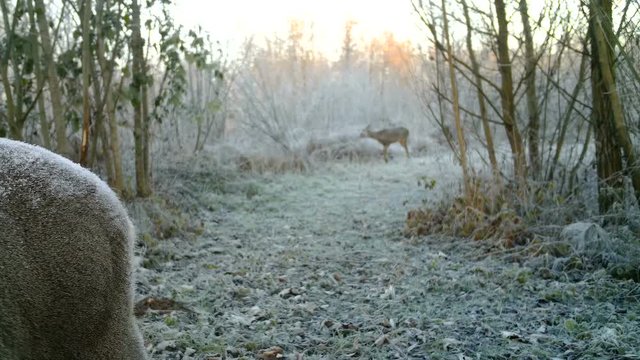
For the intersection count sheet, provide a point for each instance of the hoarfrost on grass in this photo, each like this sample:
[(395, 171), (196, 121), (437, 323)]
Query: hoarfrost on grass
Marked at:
[(315, 265)]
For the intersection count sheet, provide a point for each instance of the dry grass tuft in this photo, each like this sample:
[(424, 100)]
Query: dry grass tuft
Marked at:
[(262, 164), (350, 148), (486, 215)]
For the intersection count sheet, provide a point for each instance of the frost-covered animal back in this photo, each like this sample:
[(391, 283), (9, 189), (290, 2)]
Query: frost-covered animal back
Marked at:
[(65, 261)]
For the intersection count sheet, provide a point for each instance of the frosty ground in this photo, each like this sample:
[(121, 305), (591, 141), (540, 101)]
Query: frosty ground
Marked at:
[(314, 265)]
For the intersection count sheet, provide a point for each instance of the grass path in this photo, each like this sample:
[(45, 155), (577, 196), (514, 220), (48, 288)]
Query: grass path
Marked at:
[(316, 265)]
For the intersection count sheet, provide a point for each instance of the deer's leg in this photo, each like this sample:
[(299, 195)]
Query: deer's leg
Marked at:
[(404, 145), (384, 152)]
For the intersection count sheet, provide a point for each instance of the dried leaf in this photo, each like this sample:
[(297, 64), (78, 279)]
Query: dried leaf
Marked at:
[(161, 305), (381, 340), (328, 323), (272, 353), (349, 326), (290, 292), (512, 336), (389, 292), (448, 343), (542, 329)]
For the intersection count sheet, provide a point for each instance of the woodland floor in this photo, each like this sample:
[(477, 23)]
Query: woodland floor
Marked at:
[(315, 266)]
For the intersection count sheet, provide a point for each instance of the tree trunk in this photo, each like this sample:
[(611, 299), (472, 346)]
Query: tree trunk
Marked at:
[(85, 18), (40, 79), (98, 129), (612, 135), (462, 144), (608, 155), (146, 137), (532, 98), (481, 100), (507, 98), (108, 107), (14, 132), (138, 86), (14, 92), (62, 146), (4, 76), (566, 118), (108, 160)]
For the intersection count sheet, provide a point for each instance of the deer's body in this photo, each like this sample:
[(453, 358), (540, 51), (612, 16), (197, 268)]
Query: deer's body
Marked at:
[(65, 262), (387, 137)]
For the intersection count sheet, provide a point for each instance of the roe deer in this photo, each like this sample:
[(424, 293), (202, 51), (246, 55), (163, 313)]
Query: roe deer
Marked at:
[(387, 137), (66, 245)]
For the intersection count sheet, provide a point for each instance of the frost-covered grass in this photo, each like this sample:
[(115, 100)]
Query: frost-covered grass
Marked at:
[(315, 263)]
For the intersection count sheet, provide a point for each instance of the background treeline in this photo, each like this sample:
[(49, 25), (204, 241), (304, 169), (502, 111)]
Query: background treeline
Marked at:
[(529, 98)]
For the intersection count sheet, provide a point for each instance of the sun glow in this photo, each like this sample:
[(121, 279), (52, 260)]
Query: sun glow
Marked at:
[(231, 22)]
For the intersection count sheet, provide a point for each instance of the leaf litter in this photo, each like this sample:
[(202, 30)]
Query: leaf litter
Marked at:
[(314, 266)]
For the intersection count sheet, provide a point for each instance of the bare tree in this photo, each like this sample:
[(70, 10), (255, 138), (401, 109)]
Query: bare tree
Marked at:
[(52, 78), (138, 100), (532, 98), (484, 117), (85, 20), (108, 47), (40, 78), (507, 95), (462, 144), (612, 135)]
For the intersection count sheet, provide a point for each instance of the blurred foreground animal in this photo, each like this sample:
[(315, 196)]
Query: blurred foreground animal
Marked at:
[(66, 246), (387, 137)]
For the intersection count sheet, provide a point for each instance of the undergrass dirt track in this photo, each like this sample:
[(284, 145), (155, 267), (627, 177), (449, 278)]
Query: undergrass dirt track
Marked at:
[(315, 266)]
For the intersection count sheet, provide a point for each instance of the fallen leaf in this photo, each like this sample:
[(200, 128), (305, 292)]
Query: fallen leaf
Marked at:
[(337, 277), (349, 326), (450, 343), (381, 340), (389, 292), (272, 353), (512, 336), (542, 329), (290, 292), (388, 323), (161, 305)]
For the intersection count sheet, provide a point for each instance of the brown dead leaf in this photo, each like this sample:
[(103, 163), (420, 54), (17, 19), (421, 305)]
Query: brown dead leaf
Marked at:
[(349, 326), (272, 353), (161, 305), (388, 323)]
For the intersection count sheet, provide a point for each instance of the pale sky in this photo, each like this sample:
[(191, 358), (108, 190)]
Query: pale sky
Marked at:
[(232, 21)]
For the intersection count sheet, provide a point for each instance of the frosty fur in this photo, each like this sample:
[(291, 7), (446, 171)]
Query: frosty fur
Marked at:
[(65, 261)]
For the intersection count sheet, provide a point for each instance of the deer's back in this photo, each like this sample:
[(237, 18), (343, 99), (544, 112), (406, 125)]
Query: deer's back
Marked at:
[(65, 255), (391, 135)]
